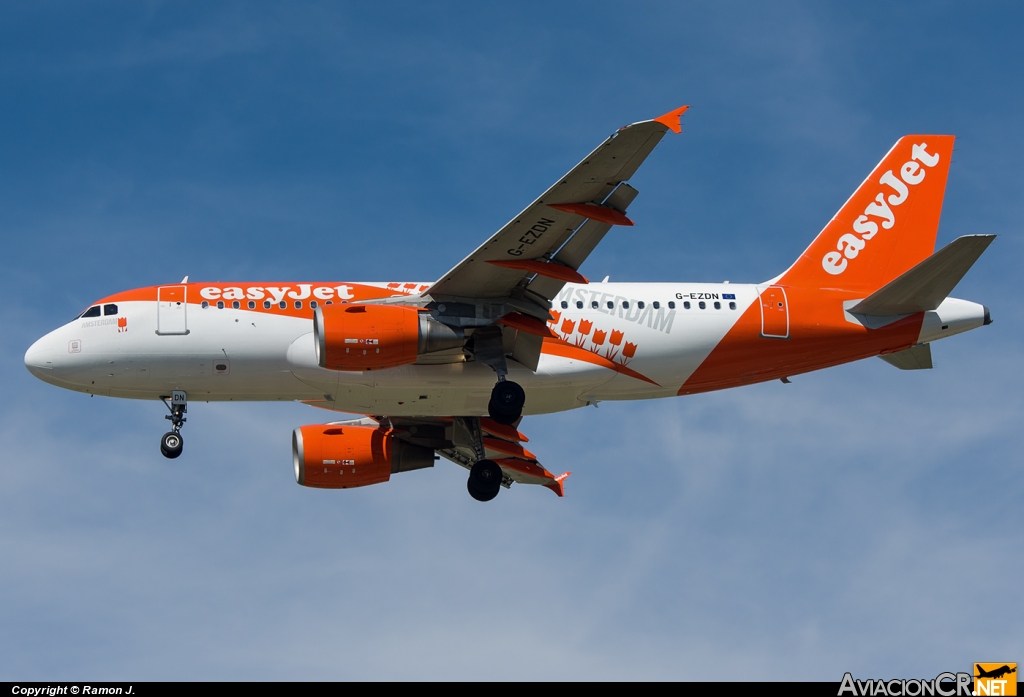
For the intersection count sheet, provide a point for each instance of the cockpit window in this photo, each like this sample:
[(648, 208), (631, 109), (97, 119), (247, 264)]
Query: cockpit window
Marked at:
[(93, 311), (110, 309)]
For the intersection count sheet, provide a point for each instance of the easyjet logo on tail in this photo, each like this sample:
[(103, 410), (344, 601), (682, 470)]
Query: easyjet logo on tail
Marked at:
[(865, 227)]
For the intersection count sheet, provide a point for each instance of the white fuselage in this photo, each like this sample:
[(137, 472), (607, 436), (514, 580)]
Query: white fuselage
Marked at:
[(628, 341)]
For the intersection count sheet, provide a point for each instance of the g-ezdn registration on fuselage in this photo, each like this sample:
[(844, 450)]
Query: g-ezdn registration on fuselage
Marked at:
[(450, 367)]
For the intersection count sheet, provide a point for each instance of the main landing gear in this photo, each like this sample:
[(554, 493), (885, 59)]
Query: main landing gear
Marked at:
[(485, 476), (507, 397), (484, 480), (507, 400), (172, 442)]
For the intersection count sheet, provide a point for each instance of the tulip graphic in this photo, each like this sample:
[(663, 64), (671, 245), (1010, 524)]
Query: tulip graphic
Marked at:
[(616, 338), (598, 337), (555, 316), (583, 329), (568, 325), (629, 351)]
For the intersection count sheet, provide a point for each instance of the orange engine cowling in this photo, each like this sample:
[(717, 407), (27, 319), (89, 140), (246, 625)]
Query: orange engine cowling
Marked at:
[(341, 457), (372, 337)]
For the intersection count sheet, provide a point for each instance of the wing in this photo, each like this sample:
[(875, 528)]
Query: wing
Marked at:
[(540, 250), (501, 443)]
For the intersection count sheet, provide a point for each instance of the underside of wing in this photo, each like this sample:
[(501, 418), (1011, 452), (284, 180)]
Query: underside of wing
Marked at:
[(501, 444)]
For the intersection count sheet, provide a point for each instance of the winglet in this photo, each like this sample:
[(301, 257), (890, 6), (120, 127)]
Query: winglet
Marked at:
[(557, 486), (671, 119)]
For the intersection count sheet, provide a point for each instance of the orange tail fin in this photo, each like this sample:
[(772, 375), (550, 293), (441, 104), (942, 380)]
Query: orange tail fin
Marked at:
[(887, 226)]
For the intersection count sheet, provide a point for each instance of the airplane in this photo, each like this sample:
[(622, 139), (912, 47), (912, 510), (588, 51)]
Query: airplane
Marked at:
[(449, 368), (994, 673)]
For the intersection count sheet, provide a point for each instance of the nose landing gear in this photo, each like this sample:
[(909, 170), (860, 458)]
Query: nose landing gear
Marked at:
[(171, 443)]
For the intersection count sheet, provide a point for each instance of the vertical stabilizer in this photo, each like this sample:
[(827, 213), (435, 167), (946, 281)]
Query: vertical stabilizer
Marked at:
[(887, 226)]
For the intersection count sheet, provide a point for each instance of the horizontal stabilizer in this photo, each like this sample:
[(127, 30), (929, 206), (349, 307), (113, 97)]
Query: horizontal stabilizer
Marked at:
[(927, 284), (917, 357)]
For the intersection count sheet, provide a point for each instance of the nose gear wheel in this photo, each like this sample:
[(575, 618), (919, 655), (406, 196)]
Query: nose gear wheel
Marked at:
[(171, 444)]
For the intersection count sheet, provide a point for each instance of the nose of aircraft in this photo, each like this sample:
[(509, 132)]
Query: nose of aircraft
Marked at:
[(39, 357)]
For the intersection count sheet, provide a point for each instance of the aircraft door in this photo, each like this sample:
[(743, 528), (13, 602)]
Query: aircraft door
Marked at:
[(171, 310), (774, 312)]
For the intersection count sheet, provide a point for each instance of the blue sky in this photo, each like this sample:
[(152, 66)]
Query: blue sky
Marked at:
[(858, 519)]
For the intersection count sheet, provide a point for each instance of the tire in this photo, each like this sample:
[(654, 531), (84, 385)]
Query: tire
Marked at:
[(478, 495), (171, 444), (484, 480), (507, 400)]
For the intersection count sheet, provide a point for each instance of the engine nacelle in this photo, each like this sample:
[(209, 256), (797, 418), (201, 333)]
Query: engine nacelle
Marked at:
[(342, 457), (372, 337)]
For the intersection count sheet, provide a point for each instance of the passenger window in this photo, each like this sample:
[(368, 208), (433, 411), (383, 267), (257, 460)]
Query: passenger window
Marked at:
[(252, 304), (686, 305), (283, 305), (220, 304), (579, 304), (266, 304), (718, 305), (564, 304), (236, 305), (625, 304), (593, 304), (702, 305), (656, 304), (611, 305), (93, 311), (672, 304), (205, 304), (312, 304), (732, 306), (640, 304), (110, 309), (298, 304)]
